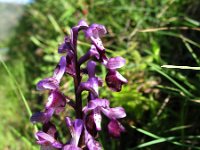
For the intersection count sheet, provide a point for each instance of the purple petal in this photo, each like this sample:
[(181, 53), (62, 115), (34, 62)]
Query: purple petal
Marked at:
[(48, 84), (47, 147), (78, 126), (91, 65), (75, 128), (69, 122), (115, 128), (82, 25), (50, 129), (71, 147), (56, 100), (60, 69), (53, 82), (46, 139), (91, 85), (58, 110), (114, 113), (100, 82), (65, 46), (42, 136), (70, 69), (42, 116), (91, 53), (103, 58), (98, 103), (97, 118), (91, 143), (90, 125), (98, 43), (57, 144), (95, 30), (115, 80), (101, 29), (116, 62)]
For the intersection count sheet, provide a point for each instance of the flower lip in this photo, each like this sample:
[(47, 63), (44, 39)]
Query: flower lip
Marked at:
[(115, 128), (56, 100), (97, 118), (115, 80)]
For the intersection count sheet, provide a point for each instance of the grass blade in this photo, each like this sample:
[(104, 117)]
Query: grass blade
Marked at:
[(157, 69), (180, 67), (19, 90), (159, 139), (18, 87)]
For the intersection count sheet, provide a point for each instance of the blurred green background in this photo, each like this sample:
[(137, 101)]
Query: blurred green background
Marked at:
[(162, 105)]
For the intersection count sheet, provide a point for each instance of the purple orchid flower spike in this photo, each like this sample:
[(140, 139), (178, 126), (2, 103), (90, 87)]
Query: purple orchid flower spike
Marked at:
[(84, 129)]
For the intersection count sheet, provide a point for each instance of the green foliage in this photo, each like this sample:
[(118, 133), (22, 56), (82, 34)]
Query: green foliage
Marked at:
[(15, 111), (162, 104)]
